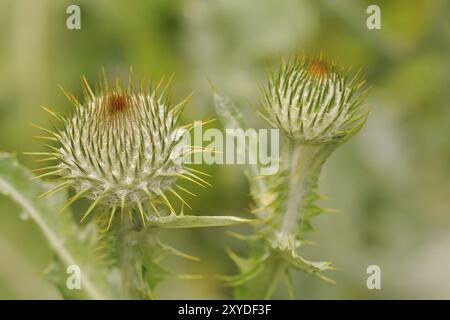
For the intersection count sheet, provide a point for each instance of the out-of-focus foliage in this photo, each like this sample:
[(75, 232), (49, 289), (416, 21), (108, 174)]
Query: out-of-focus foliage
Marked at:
[(391, 182), (71, 244)]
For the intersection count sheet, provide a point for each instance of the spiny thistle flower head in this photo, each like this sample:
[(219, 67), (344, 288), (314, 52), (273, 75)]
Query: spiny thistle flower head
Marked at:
[(313, 101), (121, 147)]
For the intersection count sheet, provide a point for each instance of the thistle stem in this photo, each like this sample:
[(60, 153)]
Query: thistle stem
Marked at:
[(289, 220), (305, 165), (126, 256), (288, 224)]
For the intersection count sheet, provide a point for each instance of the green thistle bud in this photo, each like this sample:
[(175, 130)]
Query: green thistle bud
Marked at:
[(121, 148), (313, 102)]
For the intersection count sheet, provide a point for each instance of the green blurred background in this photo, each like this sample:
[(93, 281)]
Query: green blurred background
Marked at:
[(390, 183)]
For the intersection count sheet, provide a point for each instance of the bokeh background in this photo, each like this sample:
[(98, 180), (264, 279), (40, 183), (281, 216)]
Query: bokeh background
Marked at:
[(391, 183)]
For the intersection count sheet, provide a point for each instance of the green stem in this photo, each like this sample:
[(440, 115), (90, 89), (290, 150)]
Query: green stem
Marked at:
[(277, 267), (292, 204), (127, 259), (305, 165)]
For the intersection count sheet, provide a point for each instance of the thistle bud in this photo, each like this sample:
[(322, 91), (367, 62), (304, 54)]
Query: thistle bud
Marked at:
[(121, 147), (313, 102)]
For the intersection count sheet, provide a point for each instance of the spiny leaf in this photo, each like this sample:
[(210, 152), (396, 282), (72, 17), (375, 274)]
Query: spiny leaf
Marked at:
[(232, 118), (249, 268), (71, 243), (227, 111), (188, 221), (286, 245), (151, 253)]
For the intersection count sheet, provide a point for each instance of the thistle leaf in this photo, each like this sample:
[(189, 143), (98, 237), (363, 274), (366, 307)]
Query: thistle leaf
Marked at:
[(151, 254), (188, 221), (71, 243), (286, 246), (261, 188), (249, 268), (229, 114)]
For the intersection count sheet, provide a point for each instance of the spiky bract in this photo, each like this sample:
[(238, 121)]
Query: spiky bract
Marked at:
[(313, 101)]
